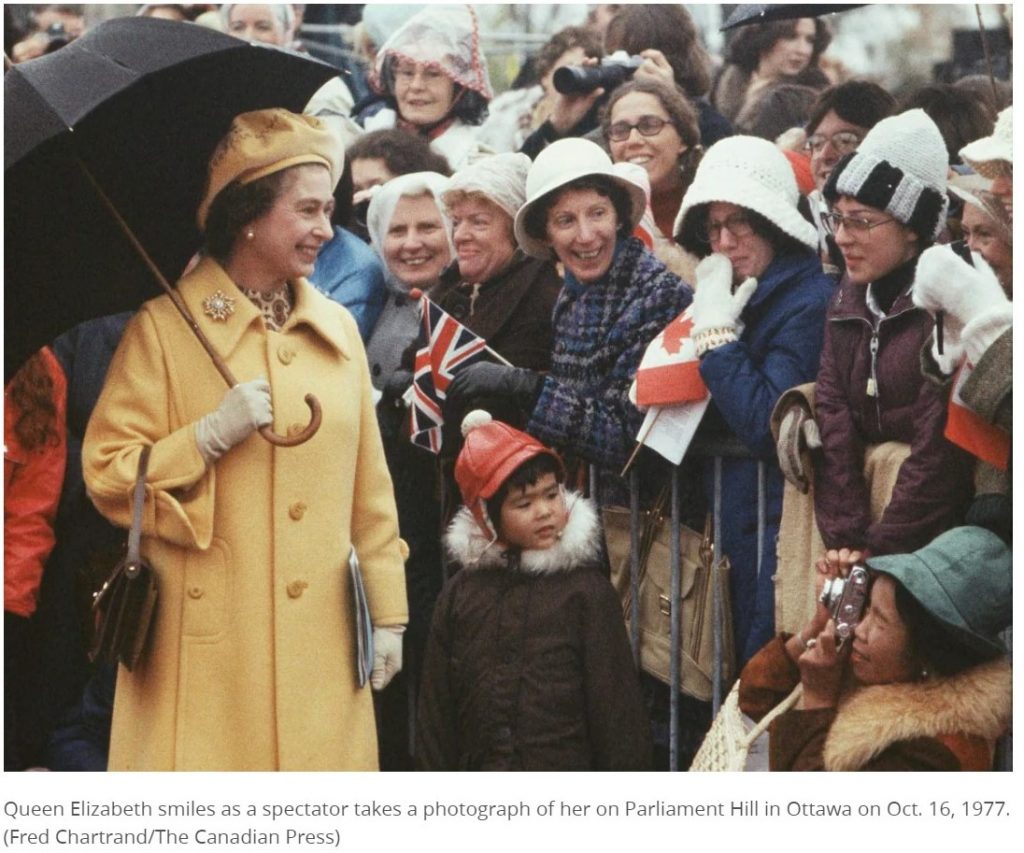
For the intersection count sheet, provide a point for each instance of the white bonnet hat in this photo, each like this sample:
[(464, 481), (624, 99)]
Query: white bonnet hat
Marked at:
[(499, 177), (751, 173), (386, 197), (990, 155)]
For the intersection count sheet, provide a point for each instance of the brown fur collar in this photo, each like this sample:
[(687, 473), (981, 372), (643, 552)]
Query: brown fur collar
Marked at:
[(870, 719)]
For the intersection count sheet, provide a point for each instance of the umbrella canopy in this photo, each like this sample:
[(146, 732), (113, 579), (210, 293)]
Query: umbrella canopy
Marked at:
[(760, 13), (142, 103)]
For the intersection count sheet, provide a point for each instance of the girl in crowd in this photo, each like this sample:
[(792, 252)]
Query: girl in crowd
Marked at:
[(888, 202), (758, 319), (251, 664)]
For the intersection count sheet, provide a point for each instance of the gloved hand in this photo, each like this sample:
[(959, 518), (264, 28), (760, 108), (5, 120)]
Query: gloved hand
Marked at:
[(716, 309), (387, 655), (797, 432), (244, 409), (500, 380), (976, 308)]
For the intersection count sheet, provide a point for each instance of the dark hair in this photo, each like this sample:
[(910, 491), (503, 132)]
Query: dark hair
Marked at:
[(527, 474), (935, 645), (401, 151), (959, 116), (536, 222), (235, 207), (468, 106), (778, 109), (670, 29), (681, 113), (858, 102), (31, 392), (690, 237), (980, 86), (566, 39), (752, 42)]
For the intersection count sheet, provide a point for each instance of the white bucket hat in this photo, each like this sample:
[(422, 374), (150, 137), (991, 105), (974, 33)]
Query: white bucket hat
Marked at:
[(749, 172), (559, 164), (990, 155)]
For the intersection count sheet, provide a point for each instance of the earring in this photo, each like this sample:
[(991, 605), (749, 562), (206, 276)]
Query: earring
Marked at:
[(250, 234), (924, 674)]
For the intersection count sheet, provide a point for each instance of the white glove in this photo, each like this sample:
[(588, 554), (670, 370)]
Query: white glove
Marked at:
[(716, 309), (797, 432), (244, 409), (976, 308), (387, 655)]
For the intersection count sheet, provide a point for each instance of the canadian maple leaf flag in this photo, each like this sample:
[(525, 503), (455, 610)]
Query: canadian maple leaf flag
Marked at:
[(669, 373), (969, 430)]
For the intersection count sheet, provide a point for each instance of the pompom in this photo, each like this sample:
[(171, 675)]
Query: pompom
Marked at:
[(478, 417)]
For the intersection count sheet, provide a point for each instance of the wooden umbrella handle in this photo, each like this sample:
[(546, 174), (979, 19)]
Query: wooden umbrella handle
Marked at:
[(316, 413)]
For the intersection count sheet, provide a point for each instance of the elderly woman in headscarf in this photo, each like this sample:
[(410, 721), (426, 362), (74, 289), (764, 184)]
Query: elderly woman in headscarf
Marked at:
[(435, 83), (252, 661)]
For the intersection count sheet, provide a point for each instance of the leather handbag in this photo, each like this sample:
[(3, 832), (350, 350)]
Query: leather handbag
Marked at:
[(126, 603), (698, 578)]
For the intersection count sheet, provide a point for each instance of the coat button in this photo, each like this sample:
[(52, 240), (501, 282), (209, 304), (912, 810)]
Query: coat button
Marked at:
[(285, 354), (195, 592), (296, 511), (295, 588), (376, 370)]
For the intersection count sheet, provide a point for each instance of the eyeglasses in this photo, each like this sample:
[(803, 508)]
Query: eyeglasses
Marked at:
[(648, 126), (737, 224), (833, 221), (844, 141)]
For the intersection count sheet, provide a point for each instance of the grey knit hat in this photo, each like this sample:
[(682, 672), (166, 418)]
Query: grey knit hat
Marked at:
[(964, 578), (901, 168)]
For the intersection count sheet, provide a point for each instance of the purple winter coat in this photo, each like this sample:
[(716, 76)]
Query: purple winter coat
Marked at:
[(934, 483)]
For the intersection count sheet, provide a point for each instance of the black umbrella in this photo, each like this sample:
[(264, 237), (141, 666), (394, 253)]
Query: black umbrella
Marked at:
[(761, 13), (135, 107)]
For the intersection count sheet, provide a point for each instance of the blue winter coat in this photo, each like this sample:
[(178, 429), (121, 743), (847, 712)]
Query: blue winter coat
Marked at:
[(352, 274), (784, 329), (600, 331)]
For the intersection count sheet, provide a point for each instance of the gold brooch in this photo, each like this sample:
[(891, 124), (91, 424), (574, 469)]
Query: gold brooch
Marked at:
[(219, 306)]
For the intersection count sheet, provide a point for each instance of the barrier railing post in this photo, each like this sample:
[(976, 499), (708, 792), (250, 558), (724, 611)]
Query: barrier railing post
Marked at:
[(674, 629), (634, 566)]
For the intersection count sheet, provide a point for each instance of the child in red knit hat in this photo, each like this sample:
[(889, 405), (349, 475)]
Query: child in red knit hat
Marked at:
[(528, 666)]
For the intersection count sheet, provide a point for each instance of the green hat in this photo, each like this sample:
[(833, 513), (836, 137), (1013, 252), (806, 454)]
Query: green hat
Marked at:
[(964, 579)]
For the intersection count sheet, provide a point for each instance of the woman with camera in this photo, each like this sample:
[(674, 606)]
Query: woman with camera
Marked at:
[(921, 682), (434, 81)]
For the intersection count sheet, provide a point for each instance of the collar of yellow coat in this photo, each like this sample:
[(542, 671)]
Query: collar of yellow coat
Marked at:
[(311, 309)]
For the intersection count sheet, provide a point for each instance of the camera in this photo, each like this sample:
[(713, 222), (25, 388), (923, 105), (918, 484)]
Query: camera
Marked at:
[(846, 599), (613, 71)]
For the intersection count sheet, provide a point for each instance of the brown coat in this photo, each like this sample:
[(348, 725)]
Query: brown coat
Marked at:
[(250, 665), (941, 724)]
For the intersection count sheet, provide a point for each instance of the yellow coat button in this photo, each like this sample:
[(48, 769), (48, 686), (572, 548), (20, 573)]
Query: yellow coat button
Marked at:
[(195, 592), (295, 588), (285, 354), (297, 510)]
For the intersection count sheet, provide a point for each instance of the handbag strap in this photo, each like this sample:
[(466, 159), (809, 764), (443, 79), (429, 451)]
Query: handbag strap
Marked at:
[(765, 721), (138, 501)]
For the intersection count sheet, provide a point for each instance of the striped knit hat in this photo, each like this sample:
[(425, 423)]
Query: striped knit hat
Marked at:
[(900, 168)]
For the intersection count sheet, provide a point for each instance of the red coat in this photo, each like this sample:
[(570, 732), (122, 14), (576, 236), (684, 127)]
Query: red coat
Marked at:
[(32, 486)]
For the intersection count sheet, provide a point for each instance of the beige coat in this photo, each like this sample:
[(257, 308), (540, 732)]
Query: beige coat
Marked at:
[(251, 664)]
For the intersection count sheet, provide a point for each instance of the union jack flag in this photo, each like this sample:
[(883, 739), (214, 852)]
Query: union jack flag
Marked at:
[(443, 347)]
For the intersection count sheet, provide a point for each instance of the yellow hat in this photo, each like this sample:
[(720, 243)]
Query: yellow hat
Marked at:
[(266, 141)]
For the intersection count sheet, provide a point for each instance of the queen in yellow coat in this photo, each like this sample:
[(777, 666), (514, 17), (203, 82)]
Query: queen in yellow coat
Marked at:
[(251, 664)]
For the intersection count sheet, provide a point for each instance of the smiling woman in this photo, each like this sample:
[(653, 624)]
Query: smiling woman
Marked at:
[(251, 664)]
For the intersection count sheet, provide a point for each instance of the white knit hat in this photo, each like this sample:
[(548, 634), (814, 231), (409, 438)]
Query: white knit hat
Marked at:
[(559, 164), (900, 167), (991, 155), (499, 177), (749, 172)]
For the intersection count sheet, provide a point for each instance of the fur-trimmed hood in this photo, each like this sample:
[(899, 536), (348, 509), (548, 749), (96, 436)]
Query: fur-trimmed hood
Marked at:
[(580, 543), (976, 702)]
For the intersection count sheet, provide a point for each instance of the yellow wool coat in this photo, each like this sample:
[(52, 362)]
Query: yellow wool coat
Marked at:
[(251, 663)]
